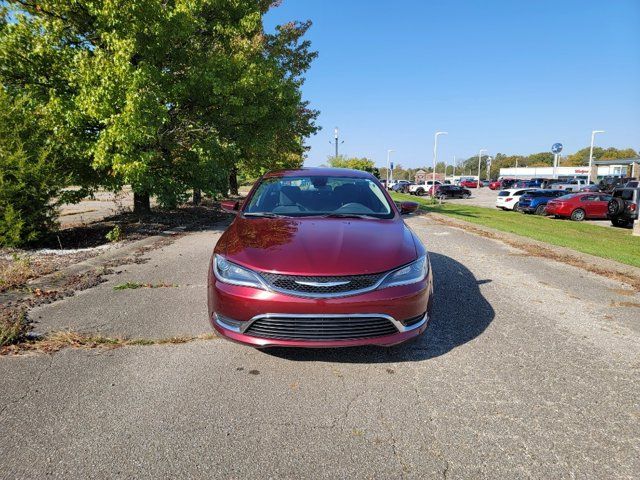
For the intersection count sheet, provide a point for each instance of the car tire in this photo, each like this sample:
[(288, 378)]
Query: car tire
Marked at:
[(420, 192), (541, 210), (466, 195), (620, 222), (615, 206), (578, 215), (516, 207)]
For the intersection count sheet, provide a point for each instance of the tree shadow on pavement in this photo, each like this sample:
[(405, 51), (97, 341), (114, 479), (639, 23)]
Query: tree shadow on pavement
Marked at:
[(460, 314)]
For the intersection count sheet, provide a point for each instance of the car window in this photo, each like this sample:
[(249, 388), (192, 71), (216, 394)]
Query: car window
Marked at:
[(624, 194), (605, 198), (319, 195), (503, 193)]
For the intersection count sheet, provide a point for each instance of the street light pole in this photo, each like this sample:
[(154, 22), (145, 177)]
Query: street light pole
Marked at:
[(479, 160), (593, 135), (389, 173), (435, 158), (454, 166)]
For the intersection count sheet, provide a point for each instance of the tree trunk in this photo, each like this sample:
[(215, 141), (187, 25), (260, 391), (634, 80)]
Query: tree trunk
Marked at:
[(141, 203), (197, 196), (233, 181)]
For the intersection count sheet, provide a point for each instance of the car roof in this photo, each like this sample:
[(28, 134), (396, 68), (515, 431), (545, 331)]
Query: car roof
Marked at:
[(319, 172)]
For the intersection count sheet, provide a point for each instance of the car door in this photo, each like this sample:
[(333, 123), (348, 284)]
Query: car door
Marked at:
[(600, 205), (590, 205)]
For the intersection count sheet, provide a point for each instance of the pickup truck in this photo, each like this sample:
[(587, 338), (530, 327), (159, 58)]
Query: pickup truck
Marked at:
[(571, 185), (422, 188)]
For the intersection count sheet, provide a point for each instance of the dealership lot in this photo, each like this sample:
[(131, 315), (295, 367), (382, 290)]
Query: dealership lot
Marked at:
[(528, 369), (485, 197)]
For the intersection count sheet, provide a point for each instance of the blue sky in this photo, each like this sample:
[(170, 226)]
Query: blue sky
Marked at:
[(510, 76)]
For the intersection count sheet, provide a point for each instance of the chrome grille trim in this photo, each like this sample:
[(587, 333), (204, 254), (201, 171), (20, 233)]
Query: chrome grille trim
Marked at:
[(398, 325), (312, 286)]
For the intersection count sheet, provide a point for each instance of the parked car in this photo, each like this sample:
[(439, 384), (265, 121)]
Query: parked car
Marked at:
[(579, 206), (485, 183), (624, 205), (536, 201), (402, 186), (610, 182), (632, 184), (495, 184), (450, 191), (319, 258), (572, 185), (470, 183), (421, 188), (508, 199)]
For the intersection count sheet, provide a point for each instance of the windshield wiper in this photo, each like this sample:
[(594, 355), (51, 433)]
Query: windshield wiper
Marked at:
[(263, 215), (349, 215)]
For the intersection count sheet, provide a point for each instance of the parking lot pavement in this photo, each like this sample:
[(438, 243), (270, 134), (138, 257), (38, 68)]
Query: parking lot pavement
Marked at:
[(529, 369)]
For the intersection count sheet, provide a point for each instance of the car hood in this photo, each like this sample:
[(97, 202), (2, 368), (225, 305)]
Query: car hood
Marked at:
[(318, 246)]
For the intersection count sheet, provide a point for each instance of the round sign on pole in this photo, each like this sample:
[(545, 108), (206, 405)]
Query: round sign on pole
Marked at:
[(556, 148)]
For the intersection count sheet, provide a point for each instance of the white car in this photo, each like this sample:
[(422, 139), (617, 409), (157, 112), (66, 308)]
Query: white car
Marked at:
[(508, 199), (422, 188)]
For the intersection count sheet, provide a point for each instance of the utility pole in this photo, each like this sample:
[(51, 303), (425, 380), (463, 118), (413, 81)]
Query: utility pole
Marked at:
[(435, 159), (593, 177), (336, 140), (479, 160), (454, 166)]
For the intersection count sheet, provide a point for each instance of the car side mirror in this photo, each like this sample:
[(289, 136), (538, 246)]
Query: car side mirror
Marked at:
[(230, 206), (408, 207)]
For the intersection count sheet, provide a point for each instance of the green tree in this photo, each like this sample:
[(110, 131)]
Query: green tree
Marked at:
[(165, 96), (354, 163)]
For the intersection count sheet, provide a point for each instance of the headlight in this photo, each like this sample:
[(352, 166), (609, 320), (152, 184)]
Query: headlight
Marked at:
[(413, 273), (228, 272)]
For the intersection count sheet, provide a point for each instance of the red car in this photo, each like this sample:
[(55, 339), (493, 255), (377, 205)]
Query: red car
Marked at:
[(496, 185), (319, 258), (470, 184), (579, 206)]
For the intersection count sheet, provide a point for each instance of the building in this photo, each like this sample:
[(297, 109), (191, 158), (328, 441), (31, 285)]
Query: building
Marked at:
[(605, 167)]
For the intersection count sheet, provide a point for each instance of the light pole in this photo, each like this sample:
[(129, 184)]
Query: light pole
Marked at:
[(435, 158), (388, 165), (454, 166), (593, 135), (479, 160)]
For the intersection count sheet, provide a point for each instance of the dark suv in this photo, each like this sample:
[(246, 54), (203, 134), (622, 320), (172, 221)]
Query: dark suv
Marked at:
[(623, 208), (609, 183)]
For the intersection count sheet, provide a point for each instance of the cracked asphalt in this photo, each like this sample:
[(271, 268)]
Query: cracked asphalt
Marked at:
[(530, 369)]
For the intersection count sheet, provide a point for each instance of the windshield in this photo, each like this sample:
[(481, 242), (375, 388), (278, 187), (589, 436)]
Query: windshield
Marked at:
[(318, 195)]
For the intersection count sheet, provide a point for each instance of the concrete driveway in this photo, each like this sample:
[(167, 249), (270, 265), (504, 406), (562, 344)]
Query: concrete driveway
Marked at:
[(529, 369)]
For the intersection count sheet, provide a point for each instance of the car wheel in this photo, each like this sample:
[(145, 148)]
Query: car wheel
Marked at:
[(516, 207), (540, 210), (465, 195), (420, 192), (620, 222), (578, 215), (615, 206)]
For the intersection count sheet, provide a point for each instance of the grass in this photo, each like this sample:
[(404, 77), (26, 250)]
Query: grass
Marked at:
[(136, 285), (613, 243), (54, 342), (15, 272)]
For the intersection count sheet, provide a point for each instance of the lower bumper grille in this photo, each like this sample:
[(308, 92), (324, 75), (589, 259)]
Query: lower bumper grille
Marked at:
[(321, 328)]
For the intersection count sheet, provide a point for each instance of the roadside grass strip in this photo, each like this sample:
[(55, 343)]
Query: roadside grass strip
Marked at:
[(612, 243), (136, 285), (54, 342)]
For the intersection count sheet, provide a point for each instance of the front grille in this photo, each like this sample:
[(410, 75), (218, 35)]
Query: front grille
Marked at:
[(335, 285), (321, 328)]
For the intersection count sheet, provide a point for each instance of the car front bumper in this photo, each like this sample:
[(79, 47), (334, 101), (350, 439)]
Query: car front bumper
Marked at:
[(234, 309)]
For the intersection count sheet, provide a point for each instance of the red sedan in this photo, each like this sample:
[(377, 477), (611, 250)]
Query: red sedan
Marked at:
[(496, 185), (470, 184), (319, 258), (579, 206)]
